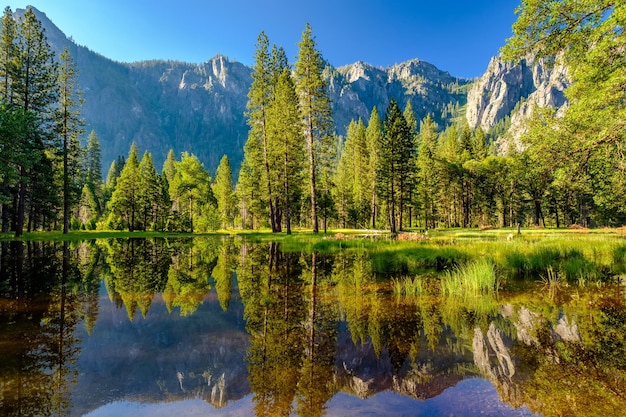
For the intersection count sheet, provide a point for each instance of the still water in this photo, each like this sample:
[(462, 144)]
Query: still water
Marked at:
[(224, 327)]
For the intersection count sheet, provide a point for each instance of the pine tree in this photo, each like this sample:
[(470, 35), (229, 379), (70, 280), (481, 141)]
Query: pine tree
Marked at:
[(427, 171), (316, 115), (252, 206), (223, 191), (411, 122), (94, 160), (285, 131), (164, 203), (14, 126), (373, 136), (352, 177), (123, 203), (169, 166), (344, 179), (148, 193), (259, 97), (33, 88), (8, 53), (69, 126), (394, 164)]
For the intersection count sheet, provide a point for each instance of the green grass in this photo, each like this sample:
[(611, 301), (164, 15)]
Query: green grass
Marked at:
[(407, 286), (473, 278)]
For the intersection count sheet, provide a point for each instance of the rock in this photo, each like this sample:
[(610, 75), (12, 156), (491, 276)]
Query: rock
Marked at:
[(513, 90)]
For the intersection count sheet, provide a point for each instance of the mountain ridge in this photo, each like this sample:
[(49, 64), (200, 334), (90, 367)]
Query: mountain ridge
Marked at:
[(200, 108)]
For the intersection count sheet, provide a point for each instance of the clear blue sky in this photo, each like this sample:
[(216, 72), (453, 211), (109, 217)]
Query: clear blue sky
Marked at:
[(458, 36)]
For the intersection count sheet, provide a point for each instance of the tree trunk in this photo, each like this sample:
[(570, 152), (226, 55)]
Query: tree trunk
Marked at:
[(537, 217), (5, 218), (66, 186), (287, 200), (312, 177), (392, 212), (374, 211), (21, 204)]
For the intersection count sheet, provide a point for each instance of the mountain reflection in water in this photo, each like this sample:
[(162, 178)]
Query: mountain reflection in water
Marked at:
[(221, 326)]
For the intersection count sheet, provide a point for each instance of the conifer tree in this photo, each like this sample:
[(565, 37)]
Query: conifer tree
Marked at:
[(259, 97), (94, 160), (411, 122), (223, 191), (285, 130), (96, 193), (426, 170), (373, 136), (169, 166), (352, 177), (251, 204), (316, 115), (124, 200), (8, 53), (69, 126), (33, 87), (394, 164), (343, 179), (148, 193)]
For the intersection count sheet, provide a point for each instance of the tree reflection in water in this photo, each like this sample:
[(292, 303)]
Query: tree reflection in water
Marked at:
[(315, 325), (43, 300)]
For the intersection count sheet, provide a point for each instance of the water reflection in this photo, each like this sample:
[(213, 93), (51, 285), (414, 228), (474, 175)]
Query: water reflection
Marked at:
[(43, 300), (247, 325)]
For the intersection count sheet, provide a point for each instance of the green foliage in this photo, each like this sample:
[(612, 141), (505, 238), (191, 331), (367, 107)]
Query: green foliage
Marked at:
[(192, 196), (224, 193), (124, 205), (585, 144)]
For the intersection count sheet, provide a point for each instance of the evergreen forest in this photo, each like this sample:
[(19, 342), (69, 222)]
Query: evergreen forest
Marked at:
[(390, 172)]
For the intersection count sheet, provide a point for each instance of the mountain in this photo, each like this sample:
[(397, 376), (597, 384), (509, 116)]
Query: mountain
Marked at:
[(509, 91), (355, 90), (200, 107)]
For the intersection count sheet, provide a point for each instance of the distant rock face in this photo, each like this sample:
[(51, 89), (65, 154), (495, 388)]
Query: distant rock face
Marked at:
[(355, 89), (504, 85)]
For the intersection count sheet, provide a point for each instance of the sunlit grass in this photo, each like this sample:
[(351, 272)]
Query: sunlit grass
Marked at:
[(473, 278)]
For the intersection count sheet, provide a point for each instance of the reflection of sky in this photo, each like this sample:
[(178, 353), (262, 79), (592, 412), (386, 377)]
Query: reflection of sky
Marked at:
[(471, 397)]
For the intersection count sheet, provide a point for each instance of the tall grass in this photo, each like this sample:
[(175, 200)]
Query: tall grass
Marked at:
[(410, 287), (473, 278), (575, 259)]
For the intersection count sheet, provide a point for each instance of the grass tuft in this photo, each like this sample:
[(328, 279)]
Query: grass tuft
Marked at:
[(473, 278)]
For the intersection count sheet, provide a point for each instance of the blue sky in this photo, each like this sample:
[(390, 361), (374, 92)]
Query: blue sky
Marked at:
[(458, 36)]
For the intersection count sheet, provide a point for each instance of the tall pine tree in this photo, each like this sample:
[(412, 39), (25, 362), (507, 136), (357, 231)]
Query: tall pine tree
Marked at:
[(69, 125), (285, 129), (394, 164), (224, 193), (316, 115)]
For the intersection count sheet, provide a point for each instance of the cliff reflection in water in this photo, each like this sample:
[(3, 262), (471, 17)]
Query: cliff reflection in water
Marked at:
[(156, 320)]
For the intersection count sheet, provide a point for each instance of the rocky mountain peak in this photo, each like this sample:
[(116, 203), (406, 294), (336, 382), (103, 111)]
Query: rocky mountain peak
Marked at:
[(505, 84), (359, 70)]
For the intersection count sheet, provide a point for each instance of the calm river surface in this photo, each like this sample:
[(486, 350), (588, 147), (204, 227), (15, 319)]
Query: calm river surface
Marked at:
[(223, 327)]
